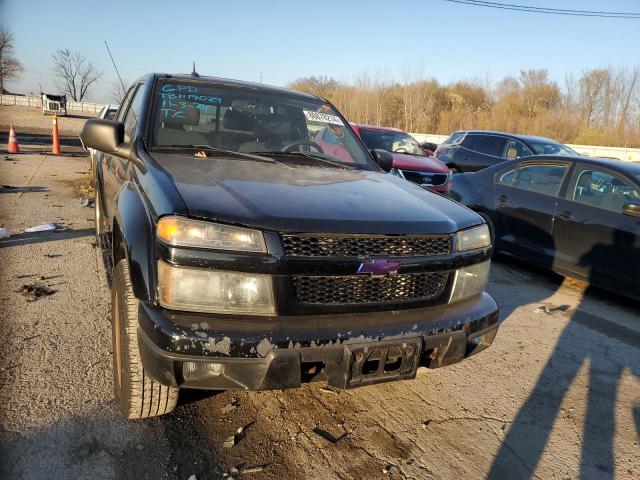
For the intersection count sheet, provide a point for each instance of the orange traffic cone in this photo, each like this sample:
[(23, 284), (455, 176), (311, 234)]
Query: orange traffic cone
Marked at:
[(55, 148), (13, 146)]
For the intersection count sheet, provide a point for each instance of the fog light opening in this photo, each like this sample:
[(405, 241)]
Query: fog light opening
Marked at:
[(198, 370)]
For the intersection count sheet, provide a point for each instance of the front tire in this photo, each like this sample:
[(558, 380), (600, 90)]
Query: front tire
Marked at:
[(136, 394)]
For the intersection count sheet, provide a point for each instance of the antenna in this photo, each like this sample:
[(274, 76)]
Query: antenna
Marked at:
[(193, 72), (124, 89)]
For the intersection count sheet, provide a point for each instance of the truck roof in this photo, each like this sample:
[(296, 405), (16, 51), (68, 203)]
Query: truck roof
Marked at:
[(232, 82)]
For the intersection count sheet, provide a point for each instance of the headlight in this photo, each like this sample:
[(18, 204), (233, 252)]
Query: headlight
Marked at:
[(215, 291), (183, 232), (472, 238), (470, 281)]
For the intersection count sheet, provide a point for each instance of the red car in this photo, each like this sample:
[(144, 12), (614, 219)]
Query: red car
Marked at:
[(410, 161)]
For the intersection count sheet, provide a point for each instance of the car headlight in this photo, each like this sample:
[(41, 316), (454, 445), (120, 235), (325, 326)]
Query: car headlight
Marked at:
[(184, 232), (470, 281), (214, 291), (473, 238)]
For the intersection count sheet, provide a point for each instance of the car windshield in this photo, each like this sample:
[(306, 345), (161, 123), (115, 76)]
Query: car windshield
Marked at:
[(396, 142), (217, 117), (551, 148)]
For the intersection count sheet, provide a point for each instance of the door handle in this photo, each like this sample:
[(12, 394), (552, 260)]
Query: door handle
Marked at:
[(566, 215)]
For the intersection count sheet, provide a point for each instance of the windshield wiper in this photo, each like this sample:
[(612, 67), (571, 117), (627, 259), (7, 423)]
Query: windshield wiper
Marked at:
[(209, 148), (310, 155)]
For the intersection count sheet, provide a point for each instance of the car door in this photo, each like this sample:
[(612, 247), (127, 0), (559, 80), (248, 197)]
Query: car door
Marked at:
[(594, 238), (526, 196), (479, 151), (114, 167)]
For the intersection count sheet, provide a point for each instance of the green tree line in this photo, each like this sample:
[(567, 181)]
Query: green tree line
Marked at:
[(599, 107)]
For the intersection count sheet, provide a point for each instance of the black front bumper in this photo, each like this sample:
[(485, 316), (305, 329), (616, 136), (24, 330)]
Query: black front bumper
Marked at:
[(228, 352)]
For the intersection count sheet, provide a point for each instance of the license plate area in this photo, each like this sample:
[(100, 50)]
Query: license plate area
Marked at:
[(382, 362)]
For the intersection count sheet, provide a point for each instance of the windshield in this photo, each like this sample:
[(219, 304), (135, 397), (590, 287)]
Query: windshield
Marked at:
[(250, 121), (551, 148), (397, 142)]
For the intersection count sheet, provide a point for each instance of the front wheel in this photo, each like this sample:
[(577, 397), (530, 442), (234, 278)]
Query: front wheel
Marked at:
[(136, 394)]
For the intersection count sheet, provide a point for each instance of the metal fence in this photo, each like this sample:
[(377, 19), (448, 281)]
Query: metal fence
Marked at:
[(35, 102)]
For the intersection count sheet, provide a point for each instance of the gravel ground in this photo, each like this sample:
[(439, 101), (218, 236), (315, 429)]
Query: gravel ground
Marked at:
[(556, 396)]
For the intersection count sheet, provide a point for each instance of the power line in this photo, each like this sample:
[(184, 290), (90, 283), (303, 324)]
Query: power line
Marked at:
[(548, 10)]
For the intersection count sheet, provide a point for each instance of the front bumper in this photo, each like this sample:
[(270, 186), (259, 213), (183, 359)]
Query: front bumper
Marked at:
[(283, 352)]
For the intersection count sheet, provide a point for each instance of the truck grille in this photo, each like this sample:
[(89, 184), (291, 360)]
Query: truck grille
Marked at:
[(422, 178), (361, 246), (357, 289)]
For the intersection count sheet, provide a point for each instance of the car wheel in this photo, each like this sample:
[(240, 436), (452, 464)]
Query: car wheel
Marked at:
[(136, 394)]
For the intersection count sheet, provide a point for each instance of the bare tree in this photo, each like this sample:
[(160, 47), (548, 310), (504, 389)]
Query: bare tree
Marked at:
[(10, 66), (119, 90), (75, 72)]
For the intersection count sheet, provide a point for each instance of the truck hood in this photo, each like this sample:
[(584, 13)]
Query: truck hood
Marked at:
[(293, 198), (418, 163)]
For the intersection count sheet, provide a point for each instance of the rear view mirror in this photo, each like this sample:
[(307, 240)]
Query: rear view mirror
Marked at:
[(383, 158), (102, 135), (631, 209)]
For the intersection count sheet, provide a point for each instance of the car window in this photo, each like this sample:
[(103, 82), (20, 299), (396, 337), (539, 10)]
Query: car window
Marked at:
[(125, 104), (455, 138), (603, 189), (132, 117), (515, 149), (546, 179), (551, 148), (469, 141), (331, 136), (396, 142), (111, 114), (489, 145), (253, 121)]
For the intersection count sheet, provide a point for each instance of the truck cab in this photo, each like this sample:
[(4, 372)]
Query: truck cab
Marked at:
[(241, 255)]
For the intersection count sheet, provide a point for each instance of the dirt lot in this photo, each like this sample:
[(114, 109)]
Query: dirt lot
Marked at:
[(556, 396), (31, 120)]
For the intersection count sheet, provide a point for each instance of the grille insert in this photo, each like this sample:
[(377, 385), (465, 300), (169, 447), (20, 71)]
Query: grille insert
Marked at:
[(358, 289), (359, 246), (425, 178)]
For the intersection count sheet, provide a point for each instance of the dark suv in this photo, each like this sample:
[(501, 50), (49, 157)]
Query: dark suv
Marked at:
[(472, 150), (242, 256)]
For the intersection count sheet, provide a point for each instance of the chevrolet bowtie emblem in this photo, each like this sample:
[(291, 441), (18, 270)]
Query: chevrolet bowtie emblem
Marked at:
[(378, 267)]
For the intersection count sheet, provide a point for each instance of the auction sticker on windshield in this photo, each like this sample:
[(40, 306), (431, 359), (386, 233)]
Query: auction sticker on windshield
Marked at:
[(322, 117)]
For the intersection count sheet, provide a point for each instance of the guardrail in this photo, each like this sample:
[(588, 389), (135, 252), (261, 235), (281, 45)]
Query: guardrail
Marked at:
[(35, 102), (621, 153)]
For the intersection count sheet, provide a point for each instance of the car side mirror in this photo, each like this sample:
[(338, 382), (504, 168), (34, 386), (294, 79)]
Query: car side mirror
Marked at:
[(383, 158), (103, 135), (631, 209)]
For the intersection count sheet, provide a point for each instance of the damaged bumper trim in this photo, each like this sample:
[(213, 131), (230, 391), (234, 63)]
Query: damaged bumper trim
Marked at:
[(346, 351)]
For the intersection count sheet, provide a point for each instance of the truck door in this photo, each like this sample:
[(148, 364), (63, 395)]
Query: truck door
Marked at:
[(113, 167)]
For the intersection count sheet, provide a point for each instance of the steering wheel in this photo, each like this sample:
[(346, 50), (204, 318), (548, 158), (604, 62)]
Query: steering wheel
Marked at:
[(401, 150), (300, 143)]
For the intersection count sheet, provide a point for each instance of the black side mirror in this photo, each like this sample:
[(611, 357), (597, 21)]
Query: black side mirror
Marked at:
[(631, 209), (103, 135), (383, 158)]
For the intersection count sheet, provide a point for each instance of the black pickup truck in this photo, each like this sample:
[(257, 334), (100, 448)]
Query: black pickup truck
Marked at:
[(242, 256)]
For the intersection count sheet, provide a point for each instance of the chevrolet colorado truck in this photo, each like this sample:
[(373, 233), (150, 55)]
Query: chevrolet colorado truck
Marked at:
[(240, 255)]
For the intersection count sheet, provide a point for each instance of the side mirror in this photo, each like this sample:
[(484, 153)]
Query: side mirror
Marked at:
[(103, 135), (631, 209), (383, 158)]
